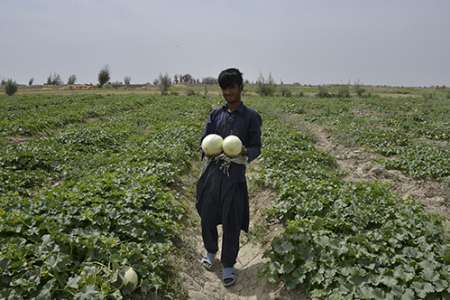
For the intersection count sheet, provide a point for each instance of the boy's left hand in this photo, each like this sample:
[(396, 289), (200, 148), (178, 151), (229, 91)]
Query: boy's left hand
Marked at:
[(243, 151)]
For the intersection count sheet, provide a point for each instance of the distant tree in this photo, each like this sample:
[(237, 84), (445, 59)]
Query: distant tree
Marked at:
[(359, 90), (175, 79), (116, 84), (323, 92), (209, 80), (187, 78), (265, 87), (164, 83), (103, 76), (3, 82), (156, 82), (30, 82), (72, 79), (127, 80), (54, 79), (10, 87), (285, 91), (343, 91)]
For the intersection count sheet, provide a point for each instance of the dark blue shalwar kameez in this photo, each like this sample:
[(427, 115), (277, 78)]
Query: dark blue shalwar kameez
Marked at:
[(221, 198)]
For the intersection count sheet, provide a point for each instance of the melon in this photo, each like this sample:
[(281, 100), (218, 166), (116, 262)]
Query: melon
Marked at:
[(232, 146), (212, 144), (130, 278)]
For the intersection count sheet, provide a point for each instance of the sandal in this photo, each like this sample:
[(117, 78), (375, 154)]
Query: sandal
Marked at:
[(229, 276), (206, 263)]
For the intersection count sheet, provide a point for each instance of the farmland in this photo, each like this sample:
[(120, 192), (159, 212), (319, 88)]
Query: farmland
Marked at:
[(93, 182)]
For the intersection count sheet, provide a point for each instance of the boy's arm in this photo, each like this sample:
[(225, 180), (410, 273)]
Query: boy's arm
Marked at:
[(253, 148)]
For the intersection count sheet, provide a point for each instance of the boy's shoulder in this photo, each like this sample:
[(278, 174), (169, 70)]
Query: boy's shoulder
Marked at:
[(253, 113)]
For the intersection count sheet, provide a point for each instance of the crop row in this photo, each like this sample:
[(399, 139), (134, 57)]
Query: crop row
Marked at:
[(346, 240), (414, 133), (90, 199)]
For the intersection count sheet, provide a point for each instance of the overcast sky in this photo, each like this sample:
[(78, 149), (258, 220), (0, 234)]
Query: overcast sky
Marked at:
[(376, 42)]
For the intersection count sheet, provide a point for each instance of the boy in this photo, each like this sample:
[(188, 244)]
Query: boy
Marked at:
[(222, 196)]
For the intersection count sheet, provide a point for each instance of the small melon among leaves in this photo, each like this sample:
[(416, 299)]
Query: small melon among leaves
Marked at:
[(232, 146), (212, 144), (129, 278)]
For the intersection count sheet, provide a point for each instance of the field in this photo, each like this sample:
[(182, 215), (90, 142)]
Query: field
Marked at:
[(349, 199)]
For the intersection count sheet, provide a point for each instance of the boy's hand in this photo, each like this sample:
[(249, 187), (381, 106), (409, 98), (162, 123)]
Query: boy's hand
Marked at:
[(243, 151)]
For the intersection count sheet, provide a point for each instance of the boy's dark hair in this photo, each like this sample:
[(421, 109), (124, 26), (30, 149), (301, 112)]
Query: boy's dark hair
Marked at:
[(230, 77)]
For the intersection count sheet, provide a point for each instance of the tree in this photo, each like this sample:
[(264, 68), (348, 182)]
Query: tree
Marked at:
[(175, 79), (72, 79), (10, 87), (164, 83), (323, 92), (186, 78), (103, 76), (265, 87), (344, 91), (127, 80), (30, 82), (359, 90), (209, 80), (54, 79)]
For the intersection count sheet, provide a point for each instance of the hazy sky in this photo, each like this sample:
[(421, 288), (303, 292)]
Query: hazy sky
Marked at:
[(377, 42)]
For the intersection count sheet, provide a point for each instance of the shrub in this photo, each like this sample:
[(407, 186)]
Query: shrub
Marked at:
[(103, 76), (116, 84), (54, 79), (10, 87), (344, 91), (30, 82), (72, 79), (164, 82), (285, 91), (265, 87), (190, 92), (209, 80), (359, 90), (323, 92), (127, 80)]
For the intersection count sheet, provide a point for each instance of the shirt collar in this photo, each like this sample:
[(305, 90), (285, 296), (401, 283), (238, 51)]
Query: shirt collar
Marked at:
[(239, 109)]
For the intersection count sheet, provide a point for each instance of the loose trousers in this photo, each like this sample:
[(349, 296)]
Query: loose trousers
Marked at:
[(222, 200)]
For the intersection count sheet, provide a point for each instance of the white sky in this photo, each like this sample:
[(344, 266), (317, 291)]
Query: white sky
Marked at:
[(377, 42)]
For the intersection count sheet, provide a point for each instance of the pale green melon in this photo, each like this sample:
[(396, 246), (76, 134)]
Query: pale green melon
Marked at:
[(212, 144)]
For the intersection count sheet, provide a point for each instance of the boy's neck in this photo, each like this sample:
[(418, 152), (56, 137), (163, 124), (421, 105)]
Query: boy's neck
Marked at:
[(233, 106)]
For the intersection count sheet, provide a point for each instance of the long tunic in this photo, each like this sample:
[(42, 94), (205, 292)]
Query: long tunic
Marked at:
[(222, 198)]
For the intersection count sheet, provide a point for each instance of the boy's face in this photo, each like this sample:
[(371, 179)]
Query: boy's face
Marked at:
[(232, 94)]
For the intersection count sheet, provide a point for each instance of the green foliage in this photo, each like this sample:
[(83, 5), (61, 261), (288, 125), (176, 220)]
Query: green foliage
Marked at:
[(285, 91), (72, 79), (347, 240), (323, 92), (414, 130), (359, 90), (30, 82), (103, 76), (10, 87), (54, 79), (343, 91), (265, 87), (164, 83), (94, 196), (190, 92)]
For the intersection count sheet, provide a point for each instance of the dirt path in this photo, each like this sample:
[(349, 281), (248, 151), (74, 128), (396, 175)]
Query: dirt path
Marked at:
[(361, 165), (202, 284)]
